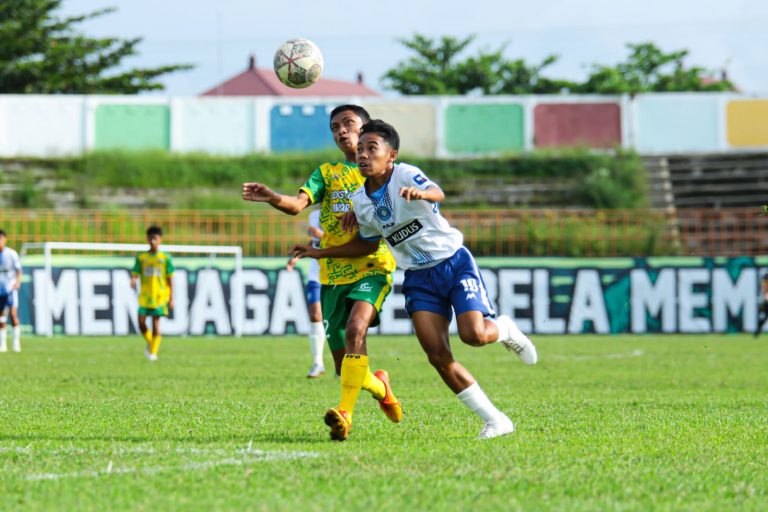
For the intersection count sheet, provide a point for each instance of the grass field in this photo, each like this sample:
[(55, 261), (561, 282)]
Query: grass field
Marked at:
[(603, 423)]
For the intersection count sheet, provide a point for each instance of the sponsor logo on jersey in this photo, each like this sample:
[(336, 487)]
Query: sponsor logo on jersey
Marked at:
[(419, 179), (404, 233), (365, 287), (340, 207)]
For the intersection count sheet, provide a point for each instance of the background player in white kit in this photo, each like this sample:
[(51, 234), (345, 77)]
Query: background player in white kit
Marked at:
[(399, 203), (312, 289), (10, 282)]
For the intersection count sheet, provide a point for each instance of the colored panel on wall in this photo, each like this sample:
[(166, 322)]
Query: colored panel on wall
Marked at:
[(748, 122), (414, 122), (42, 125), (132, 127), (220, 126), (595, 125), (300, 128), (676, 123), (480, 128)]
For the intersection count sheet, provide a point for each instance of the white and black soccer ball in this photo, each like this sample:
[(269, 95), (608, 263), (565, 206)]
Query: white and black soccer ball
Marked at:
[(298, 63)]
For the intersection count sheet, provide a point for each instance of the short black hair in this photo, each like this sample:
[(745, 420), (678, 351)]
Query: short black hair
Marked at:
[(2, 233), (765, 276), (356, 109), (386, 130), (154, 230)]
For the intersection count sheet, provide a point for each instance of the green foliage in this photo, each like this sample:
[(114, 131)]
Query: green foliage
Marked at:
[(649, 69), (437, 69), (598, 180), (603, 423), (28, 194), (41, 53)]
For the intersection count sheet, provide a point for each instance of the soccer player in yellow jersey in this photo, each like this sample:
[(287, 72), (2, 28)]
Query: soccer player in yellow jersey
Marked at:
[(155, 270), (352, 289)]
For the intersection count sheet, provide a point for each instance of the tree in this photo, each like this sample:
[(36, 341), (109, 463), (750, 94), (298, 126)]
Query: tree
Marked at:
[(437, 69), (649, 69), (44, 54)]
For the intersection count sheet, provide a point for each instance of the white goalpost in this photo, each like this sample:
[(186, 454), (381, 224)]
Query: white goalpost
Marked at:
[(237, 290)]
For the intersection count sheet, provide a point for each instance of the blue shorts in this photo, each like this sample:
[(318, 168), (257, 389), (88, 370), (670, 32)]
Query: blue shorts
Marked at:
[(455, 282), (6, 301), (313, 292)]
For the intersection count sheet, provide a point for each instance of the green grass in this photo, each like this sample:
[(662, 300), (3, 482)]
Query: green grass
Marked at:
[(603, 423)]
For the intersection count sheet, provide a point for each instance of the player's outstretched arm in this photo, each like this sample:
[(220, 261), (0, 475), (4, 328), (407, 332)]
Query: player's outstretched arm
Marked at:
[(353, 249), (432, 194), (260, 193)]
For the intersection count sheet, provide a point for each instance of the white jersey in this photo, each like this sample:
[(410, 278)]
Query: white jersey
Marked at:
[(416, 233), (9, 265), (313, 274)]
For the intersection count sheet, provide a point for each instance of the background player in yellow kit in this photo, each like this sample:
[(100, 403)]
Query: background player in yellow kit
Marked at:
[(155, 270)]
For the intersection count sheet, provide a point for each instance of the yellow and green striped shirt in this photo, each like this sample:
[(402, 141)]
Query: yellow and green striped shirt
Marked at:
[(332, 184), (154, 269)]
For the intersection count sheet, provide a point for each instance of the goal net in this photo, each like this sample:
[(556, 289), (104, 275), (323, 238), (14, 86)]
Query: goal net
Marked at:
[(84, 288)]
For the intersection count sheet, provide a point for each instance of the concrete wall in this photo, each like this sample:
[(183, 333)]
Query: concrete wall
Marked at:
[(57, 125)]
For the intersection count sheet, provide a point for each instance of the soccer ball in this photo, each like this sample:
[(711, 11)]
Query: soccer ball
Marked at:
[(298, 63)]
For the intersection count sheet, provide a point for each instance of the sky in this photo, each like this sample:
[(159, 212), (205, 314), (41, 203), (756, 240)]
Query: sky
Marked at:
[(217, 36)]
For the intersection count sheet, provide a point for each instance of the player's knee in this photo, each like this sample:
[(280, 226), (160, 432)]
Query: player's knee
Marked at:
[(354, 334), (472, 335), (440, 360)]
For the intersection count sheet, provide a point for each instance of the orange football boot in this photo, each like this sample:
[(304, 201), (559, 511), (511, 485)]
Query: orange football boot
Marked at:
[(339, 422), (389, 404)]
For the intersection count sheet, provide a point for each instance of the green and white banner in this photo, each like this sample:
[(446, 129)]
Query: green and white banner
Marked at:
[(92, 296)]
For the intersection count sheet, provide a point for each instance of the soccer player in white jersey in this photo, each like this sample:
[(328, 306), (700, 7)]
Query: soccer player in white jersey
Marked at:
[(399, 203), (312, 289), (10, 282)]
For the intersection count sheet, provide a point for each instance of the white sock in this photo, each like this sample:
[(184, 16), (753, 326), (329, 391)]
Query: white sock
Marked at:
[(17, 337), (317, 341), (3, 338), (499, 328), (477, 402)]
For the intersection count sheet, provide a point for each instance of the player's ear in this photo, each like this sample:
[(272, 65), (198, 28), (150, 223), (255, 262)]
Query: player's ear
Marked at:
[(392, 156)]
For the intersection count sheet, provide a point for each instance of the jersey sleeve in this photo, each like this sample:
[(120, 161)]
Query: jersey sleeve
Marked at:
[(314, 187), (411, 176), (169, 268), (136, 267)]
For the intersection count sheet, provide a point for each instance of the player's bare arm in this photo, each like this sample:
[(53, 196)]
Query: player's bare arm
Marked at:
[(348, 222), (432, 194), (355, 248), (134, 279), (260, 193)]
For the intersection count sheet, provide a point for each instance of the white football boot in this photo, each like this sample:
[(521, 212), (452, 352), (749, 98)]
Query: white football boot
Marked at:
[(496, 428), (150, 355), (316, 371), (515, 341)]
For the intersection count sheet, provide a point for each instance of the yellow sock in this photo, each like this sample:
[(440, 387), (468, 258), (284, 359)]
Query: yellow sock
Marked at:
[(373, 385), (353, 370), (155, 345), (148, 337)]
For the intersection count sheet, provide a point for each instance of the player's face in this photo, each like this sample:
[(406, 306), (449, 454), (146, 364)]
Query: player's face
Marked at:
[(154, 241), (345, 127), (374, 155)]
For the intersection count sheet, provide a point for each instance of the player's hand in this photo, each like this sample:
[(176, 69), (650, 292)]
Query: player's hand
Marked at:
[(17, 285), (170, 304), (291, 263), (348, 221), (257, 192), (409, 193), (133, 284), (315, 232), (304, 251)]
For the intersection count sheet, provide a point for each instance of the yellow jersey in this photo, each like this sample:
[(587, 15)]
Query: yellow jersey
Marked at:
[(332, 185), (154, 269)]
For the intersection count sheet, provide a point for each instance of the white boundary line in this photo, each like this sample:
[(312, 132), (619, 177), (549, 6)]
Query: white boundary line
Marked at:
[(224, 457)]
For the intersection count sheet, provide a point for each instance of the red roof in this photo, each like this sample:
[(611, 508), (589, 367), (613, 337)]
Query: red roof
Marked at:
[(263, 82)]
